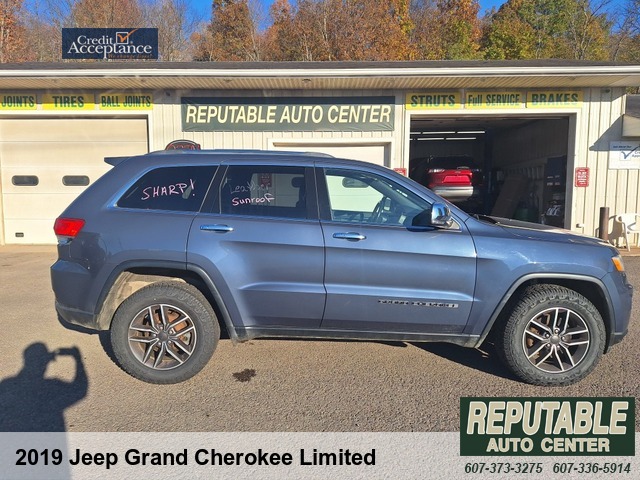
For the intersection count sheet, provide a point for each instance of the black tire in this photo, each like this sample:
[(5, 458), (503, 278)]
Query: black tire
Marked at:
[(554, 336), (176, 344)]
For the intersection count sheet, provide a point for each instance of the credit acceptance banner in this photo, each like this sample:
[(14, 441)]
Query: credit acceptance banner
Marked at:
[(110, 43), (201, 114)]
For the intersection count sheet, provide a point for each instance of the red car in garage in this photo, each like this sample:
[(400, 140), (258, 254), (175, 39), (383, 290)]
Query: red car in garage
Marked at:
[(455, 177)]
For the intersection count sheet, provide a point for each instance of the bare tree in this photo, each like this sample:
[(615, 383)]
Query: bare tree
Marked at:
[(107, 13), (588, 30), (176, 22), (625, 42)]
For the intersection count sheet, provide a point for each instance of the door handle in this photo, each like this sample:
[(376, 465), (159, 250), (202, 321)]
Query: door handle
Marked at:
[(216, 228), (353, 236)]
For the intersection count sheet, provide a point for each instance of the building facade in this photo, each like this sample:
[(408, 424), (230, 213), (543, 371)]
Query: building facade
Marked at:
[(553, 139)]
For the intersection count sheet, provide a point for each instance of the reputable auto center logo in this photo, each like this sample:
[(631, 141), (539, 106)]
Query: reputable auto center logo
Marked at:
[(110, 43), (547, 426)]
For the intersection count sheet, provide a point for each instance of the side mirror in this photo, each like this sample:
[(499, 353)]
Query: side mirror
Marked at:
[(438, 216), (441, 216)]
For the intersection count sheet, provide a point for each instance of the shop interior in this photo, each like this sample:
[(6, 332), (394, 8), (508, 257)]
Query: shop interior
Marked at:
[(517, 165)]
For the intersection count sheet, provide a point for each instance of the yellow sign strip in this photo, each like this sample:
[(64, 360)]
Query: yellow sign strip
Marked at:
[(489, 100), (68, 101), (18, 101), (482, 99), (554, 99), (125, 101), (433, 101)]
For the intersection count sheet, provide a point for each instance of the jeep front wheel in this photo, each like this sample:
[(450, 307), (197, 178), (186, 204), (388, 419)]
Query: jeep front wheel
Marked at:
[(164, 333), (553, 337)]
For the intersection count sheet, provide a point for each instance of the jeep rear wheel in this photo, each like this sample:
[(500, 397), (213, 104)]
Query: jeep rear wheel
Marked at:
[(554, 336), (164, 333)]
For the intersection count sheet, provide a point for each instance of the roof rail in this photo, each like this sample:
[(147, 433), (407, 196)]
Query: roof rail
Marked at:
[(238, 152), (116, 160)]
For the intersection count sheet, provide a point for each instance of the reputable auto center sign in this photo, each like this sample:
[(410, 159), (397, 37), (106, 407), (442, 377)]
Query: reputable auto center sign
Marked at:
[(110, 43), (232, 114)]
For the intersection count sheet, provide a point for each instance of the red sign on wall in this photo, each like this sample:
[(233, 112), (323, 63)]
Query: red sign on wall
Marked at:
[(265, 180), (401, 170), (582, 177)]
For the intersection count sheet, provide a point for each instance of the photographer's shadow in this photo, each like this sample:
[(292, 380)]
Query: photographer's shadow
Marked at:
[(29, 402)]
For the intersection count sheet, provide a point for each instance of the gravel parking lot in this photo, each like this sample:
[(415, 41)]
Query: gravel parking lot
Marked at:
[(262, 385)]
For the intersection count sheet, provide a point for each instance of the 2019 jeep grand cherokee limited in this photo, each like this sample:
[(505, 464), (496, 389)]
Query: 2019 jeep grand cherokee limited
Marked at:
[(166, 248)]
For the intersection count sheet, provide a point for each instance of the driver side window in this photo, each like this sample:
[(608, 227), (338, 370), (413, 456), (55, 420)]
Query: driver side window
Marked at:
[(362, 197)]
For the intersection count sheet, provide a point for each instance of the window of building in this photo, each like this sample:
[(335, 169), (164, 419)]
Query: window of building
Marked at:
[(25, 180), (75, 180)]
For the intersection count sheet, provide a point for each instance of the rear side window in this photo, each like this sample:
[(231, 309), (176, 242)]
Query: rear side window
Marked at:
[(264, 191), (179, 189)]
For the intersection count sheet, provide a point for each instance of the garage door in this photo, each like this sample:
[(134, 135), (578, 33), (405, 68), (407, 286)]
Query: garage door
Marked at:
[(46, 163), (374, 152)]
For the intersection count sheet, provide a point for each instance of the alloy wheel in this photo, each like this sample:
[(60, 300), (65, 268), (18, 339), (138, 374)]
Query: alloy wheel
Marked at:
[(162, 336), (556, 340)]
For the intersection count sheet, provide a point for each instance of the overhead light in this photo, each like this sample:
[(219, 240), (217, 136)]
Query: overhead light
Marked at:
[(461, 138), (430, 138), (471, 131), (438, 133)]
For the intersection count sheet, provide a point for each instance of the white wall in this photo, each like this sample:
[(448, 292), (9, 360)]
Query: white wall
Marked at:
[(599, 123), (167, 124)]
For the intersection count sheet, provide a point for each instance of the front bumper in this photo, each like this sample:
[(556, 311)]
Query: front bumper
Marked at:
[(616, 338), (621, 295)]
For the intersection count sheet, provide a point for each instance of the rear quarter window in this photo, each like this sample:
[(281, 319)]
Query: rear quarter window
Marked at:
[(170, 188)]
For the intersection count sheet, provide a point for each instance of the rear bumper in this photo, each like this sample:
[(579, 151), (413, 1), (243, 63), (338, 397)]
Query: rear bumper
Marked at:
[(454, 192), (73, 316), (71, 282)]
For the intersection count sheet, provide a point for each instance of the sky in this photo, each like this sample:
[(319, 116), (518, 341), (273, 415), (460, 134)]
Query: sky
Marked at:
[(203, 7)]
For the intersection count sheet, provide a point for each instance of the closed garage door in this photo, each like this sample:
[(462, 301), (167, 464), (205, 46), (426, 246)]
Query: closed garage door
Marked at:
[(46, 163)]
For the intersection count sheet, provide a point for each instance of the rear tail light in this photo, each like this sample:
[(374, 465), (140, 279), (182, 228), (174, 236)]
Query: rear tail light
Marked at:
[(68, 227), (435, 170)]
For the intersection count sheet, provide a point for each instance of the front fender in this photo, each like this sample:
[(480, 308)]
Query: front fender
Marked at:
[(605, 306)]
